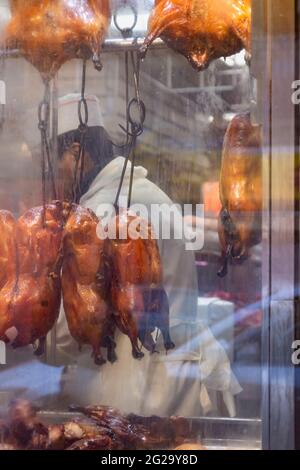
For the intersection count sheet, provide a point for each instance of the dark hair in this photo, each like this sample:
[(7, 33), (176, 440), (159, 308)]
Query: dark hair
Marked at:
[(97, 144)]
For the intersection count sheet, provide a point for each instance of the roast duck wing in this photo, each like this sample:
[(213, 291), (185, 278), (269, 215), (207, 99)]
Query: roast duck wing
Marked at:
[(138, 298), (201, 30), (85, 284), (240, 190), (31, 257), (51, 32)]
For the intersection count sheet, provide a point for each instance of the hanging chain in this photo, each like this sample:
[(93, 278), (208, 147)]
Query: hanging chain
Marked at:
[(83, 117), (46, 160), (134, 127)]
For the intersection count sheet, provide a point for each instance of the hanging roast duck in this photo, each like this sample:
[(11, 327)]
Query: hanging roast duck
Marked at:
[(240, 190), (51, 32), (85, 284), (139, 300), (31, 258), (201, 30)]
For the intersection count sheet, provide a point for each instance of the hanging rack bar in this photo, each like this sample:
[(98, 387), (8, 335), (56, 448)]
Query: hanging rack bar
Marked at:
[(110, 45), (130, 44)]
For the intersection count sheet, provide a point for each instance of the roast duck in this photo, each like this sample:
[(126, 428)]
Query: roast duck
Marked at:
[(31, 257), (51, 32), (96, 428), (201, 30), (137, 294), (240, 190), (104, 283), (85, 284)]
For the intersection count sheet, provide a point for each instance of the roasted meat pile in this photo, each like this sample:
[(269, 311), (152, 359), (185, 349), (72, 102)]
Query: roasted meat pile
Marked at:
[(51, 32), (201, 30), (31, 258), (240, 190), (138, 298), (100, 428), (85, 284)]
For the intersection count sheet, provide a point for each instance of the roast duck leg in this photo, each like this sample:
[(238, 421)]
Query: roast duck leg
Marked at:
[(201, 30), (85, 284), (240, 190), (31, 258), (138, 298), (51, 32)]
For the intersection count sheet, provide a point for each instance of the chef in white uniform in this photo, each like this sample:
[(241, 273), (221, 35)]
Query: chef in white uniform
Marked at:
[(185, 380)]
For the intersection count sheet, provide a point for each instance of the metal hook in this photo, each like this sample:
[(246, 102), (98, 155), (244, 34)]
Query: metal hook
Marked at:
[(43, 120), (83, 117), (127, 31), (83, 120), (137, 125), (136, 129)]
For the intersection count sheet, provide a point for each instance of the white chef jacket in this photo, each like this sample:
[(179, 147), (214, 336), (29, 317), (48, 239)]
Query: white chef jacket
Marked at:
[(161, 383)]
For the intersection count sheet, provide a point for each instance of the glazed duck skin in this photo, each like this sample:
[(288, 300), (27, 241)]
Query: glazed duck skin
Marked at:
[(85, 284), (240, 190), (201, 30), (51, 32), (36, 297), (8, 261), (30, 299), (138, 297)]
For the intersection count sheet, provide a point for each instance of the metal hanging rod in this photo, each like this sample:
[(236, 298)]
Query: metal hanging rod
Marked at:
[(129, 44), (110, 45)]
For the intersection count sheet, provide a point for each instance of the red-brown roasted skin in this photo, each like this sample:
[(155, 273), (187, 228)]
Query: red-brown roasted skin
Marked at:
[(240, 190), (7, 247), (201, 30), (51, 32), (84, 283), (138, 297), (30, 299), (8, 259), (37, 293)]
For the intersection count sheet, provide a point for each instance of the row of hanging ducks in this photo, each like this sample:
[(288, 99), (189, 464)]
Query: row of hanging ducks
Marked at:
[(54, 250), (52, 32)]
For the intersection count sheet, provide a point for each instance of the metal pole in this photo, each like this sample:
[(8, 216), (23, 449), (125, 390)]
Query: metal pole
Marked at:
[(110, 45)]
